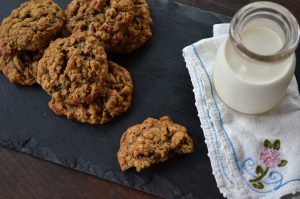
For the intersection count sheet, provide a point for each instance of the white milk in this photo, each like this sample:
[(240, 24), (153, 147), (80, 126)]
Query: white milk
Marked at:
[(261, 41), (248, 85)]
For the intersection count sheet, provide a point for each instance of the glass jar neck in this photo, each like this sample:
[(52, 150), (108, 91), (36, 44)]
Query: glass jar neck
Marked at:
[(271, 16)]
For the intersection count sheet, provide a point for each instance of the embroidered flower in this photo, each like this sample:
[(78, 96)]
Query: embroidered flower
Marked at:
[(270, 158)]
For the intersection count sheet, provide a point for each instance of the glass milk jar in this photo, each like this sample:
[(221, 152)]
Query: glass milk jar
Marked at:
[(256, 63)]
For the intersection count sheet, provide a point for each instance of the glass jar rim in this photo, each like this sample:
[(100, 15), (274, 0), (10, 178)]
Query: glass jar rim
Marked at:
[(265, 6)]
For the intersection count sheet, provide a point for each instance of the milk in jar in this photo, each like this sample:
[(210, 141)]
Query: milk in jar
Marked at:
[(255, 64)]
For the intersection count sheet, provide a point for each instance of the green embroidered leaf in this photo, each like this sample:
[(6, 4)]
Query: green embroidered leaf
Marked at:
[(261, 176), (258, 185), (267, 144), (276, 145), (259, 170), (282, 163)]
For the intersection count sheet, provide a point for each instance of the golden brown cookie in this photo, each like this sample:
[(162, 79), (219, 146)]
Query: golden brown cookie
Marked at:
[(151, 142), (117, 99), (19, 66), (138, 32), (74, 69), (33, 25), (105, 19)]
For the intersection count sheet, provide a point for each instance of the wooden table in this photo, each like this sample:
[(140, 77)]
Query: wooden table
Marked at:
[(25, 177)]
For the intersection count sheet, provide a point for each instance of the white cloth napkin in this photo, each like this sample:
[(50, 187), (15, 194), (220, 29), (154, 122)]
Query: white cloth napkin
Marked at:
[(252, 156)]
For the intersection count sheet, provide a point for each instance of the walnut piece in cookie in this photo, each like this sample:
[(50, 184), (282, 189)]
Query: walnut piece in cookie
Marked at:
[(74, 69), (105, 19), (138, 32), (33, 25), (151, 142), (116, 100)]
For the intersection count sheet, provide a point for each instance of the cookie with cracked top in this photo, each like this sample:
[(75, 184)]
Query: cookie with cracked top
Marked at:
[(151, 142), (33, 25), (74, 69), (117, 99), (105, 19)]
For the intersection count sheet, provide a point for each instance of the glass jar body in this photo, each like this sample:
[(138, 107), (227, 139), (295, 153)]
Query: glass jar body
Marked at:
[(256, 63), (248, 85)]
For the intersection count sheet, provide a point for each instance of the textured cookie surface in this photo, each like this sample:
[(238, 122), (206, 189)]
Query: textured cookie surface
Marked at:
[(74, 69), (138, 32), (19, 66), (33, 25), (117, 99), (151, 142), (105, 19)]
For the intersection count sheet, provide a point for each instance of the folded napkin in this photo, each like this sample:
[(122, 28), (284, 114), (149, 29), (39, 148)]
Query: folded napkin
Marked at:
[(252, 156)]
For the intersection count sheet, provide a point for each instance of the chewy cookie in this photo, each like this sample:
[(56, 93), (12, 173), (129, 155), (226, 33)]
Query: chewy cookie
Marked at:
[(117, 99), (33, 25), (151, 142), (138, 32), (105, 19), (19, 66), (73, 69)]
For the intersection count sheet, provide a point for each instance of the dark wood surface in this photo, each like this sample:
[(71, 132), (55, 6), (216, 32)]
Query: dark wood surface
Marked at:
[(25, 177), (229, 7)]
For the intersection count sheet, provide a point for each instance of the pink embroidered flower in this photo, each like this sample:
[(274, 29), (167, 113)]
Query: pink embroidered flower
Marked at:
[(270, 157)]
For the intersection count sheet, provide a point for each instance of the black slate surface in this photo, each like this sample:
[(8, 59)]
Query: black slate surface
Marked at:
[(162, 86)]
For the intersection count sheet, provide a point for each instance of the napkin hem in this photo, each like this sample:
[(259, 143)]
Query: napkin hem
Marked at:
[(206, 125)]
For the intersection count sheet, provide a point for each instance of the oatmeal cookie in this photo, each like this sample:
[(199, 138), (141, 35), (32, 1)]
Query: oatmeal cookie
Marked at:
[(117, 99), (105, 19), (74, 69), (138, 32), (19, 66), (33, 25), (151, 142)]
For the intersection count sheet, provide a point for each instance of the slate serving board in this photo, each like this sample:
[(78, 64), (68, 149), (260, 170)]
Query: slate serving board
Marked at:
[(161, 87)]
